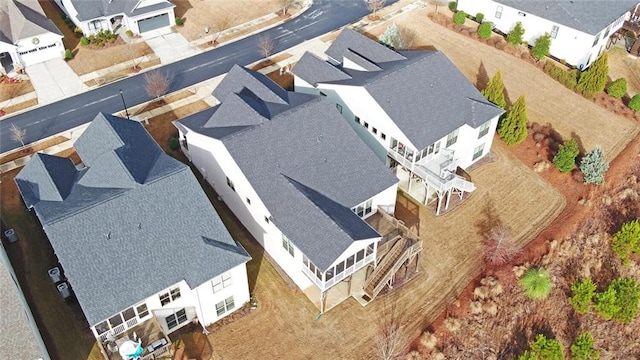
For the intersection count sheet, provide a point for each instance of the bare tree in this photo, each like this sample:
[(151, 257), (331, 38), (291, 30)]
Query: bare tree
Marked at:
[(500, 246), (374, 6), (265, 46), (438, 3), (409, 38), (132, 53), (285, 4), (156, 83), (219, 26), (17, 134), (391, 342)]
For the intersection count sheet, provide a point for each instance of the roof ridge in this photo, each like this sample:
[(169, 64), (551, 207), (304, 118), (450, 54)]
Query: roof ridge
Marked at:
[(406, 63)]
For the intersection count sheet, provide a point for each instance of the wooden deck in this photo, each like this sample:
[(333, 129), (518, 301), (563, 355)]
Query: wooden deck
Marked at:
[(147, 332)]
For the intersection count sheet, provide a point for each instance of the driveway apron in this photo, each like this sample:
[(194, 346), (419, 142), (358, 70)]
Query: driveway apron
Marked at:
[(54, 80)]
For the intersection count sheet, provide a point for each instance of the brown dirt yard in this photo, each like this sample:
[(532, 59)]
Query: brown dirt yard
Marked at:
[(198, 14), (628, 67)]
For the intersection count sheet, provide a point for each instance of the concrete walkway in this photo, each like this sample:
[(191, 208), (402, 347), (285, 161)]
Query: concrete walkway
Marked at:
[(54, 80), (170, 47)]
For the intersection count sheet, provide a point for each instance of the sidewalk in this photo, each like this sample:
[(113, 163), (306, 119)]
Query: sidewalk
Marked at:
[(203, 91)]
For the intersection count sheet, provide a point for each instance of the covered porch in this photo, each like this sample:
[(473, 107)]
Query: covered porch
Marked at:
[(149, 334), (339, 292)]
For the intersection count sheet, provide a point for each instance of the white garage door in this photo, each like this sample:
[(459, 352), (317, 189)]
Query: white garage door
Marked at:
[(154, 22)]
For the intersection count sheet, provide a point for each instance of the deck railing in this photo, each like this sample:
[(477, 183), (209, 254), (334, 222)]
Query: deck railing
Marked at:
[(338, 277)]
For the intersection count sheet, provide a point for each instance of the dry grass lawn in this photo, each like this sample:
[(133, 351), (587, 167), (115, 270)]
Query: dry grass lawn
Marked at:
[(547, 101), (198, 14), (623, 65)]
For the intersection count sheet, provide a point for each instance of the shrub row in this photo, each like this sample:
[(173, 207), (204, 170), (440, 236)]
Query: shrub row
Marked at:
[(100, 39), (568, 78)]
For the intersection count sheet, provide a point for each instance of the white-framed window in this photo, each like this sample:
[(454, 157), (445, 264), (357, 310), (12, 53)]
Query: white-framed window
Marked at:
[(484, 129), (230, 184), (357, 119), (95, 25), (606, 32), (477, 152), (221, 282), (452, 137), (248, 201), (225, 306), (177, 318), (142, 310), (498, 12), (364, 209), (596, 39), (520, 13), (287, 245), (375, 131), (383, 136), (266, 219), (554, 31), (170, 296), (366, 125), (339, 107)]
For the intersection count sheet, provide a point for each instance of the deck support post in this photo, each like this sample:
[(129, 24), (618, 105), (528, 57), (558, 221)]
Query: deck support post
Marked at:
[(323, 298), (448, 199)]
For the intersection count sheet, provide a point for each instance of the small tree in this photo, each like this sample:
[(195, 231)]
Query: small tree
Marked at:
[(438, 3), (593, 166), (627, 297), (515, 36), (156, 83), (536, 283), (479, 17), (390, 341), (453, 5), (605, 304), (131, 51), (484, 30), (541, 47), (594, 79), (68, 54), (494, 91), (392, 37), (265, 46), (582, 348), (375, 6), (583, 292), (220, 26), (543, 349), (513, 126), (500, 246), (459, 17), (565, 159), (285, 4), (634, 103), (618, 88), (627, 241), (17, 134)]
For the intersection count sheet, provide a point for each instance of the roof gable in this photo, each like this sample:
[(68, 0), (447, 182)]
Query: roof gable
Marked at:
[(46, 177), (20, 19), (351, 42)]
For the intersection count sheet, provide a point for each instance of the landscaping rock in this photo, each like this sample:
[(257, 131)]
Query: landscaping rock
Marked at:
[(541, 166)]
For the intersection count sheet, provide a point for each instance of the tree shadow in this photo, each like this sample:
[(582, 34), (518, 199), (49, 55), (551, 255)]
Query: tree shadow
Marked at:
[(547, 137), (490, 219), (482, 79), (580, 144)]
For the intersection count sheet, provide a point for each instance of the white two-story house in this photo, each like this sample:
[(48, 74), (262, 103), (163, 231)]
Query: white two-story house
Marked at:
[(295, 175), (414, 109), (135, 235), (27, 36), (139, 16), (579, 29)]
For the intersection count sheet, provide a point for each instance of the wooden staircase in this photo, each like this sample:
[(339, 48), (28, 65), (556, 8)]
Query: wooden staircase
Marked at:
[(635, 48), (402, 250)]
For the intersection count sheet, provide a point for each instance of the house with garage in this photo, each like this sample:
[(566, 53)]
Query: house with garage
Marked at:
[(580, 30), (139, 16), (297, 177), (414, 109), (139, 243), (27, 36)]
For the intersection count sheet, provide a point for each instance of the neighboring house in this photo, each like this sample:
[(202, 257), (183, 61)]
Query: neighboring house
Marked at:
[(134, 233), (413, 108), (579, 29), (295, 175), (27, 36), (20, 335), (139, 16)]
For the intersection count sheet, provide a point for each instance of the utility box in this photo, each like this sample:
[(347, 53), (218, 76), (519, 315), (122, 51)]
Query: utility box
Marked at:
[(11, 235), (63, 290), (55, 275)]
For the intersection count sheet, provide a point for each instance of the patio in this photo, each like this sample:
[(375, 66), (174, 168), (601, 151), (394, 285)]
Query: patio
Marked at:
[(156, 344)]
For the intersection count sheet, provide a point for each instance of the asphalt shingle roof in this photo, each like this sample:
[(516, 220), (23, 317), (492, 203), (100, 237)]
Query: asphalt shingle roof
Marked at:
[(422, 91), (121, 233), (308, 167), (590, 16), (20, 19), (92, 9)]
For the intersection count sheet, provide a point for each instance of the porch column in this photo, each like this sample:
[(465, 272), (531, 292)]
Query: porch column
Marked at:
[(349, 285), (439, 204), (448, 199), (410, 178), (323, 297)]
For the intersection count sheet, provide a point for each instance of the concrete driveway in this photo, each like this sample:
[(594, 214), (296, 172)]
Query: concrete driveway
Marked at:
[(54, 80), (170, 47)]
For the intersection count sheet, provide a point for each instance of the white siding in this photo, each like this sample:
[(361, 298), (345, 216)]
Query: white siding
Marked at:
[(49, 46)]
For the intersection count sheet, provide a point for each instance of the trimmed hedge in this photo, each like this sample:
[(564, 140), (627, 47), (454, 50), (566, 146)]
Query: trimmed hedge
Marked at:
[(567, 78), (634, 103), (459, 17), (618, 88), (453, 5), (484, 30), (479, 17), (68, 54)]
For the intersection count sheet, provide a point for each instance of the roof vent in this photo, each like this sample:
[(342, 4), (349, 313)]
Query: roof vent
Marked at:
[(139, 226), (109, 235)]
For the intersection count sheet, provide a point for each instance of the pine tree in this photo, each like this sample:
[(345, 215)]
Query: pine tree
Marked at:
[(515, 36), (565, 159), (618, 88), (582, 348), (494, 91), (513, 127), (594, 79), (541, 47), (392, 37), (634, 103), (593, 166)]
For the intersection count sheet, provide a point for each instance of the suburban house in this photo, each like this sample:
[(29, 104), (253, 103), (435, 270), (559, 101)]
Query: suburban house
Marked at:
[(141, 245), (580, 30), (414, 109), (27, 36), (138, 16), (299, 179)]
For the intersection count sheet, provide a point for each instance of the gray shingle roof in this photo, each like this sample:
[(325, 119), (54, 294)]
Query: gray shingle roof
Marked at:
[(590, 16), (423, 92), (351, 40), (309, 168), (121, 240), (20, 19), (92, 9)]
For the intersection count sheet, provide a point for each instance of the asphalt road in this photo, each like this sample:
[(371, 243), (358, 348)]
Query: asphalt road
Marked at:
[(322, 17)]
